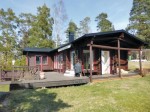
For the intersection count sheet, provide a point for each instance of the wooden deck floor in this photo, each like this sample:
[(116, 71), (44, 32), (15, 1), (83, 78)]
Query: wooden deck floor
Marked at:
[(54, 79)]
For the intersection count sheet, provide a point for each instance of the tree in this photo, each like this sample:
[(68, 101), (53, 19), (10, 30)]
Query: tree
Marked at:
[(25, 21), (8, 29), (41, 31), (8, 36), (103, 24), (140, 19), (84, 26), (72, 28), (60, 17)]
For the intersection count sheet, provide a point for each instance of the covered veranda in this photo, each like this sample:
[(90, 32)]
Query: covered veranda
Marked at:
[(117, 41)]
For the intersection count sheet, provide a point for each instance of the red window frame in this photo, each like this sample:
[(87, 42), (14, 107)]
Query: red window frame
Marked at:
[(41, 60)]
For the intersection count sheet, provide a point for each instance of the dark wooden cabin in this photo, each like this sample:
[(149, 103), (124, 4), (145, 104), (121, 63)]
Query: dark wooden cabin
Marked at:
[(39, 57), (109, 51), (100, 53)]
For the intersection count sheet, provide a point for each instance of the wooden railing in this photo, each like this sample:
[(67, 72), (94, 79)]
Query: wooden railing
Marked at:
[(20, 73)]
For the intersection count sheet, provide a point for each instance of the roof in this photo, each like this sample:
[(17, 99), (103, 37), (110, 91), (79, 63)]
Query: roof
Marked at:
[(112, 34), (35, 49)]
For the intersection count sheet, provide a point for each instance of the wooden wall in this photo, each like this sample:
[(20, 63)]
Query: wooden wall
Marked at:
[(32, 61), (97, 60), (114, 60)]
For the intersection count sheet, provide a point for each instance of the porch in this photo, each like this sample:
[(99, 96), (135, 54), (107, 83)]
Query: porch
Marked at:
[(115, 47), (52, 79), (55, 79)]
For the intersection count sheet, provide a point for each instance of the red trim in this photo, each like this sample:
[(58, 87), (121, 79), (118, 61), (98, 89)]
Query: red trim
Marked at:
[(56, 61), (46, 59), (41, 60), (27, 60), (82, 59), (41, 63), (72, 50), (35, 60)]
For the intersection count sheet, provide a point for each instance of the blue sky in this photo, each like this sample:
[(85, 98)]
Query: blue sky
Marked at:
[(117, 10)]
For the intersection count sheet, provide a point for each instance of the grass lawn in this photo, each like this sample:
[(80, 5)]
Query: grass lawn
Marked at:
[(3, 92), (126, 95), (133, 65), (4, 88)]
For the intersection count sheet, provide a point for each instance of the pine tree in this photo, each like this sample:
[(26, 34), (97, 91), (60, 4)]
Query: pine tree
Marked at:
[(140, 19), (8, 36), (84, 26), (72, 28), (24, 21), (41, 31), (103, 24)]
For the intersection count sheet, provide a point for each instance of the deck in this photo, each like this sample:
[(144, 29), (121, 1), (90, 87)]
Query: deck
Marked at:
[(54, 79)]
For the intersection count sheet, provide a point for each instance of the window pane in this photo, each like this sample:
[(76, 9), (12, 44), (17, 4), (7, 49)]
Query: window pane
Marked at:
[(86, 59), (38, 59), (44, 60)]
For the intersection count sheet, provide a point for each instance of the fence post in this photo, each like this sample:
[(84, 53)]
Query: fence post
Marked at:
[(0, 73), (13, 74)]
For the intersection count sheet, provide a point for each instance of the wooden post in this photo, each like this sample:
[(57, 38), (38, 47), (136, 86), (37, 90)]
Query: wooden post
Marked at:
[(119, 57), (100, 61), (28, 58), (82, 60), (140, 62), (0, 73), (114, 48), (91, 61), (41, 63), (13, 74)]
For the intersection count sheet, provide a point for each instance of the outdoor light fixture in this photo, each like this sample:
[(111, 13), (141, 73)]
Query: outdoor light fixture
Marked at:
[(13, 62)]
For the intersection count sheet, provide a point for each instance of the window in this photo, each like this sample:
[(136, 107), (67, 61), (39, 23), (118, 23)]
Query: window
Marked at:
[(55, 62), (44, 60), (58, 61), (86, 59), (41, 60), (38, 60)]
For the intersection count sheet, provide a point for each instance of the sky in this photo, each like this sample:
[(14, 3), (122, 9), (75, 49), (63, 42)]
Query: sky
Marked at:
[(117, 10)]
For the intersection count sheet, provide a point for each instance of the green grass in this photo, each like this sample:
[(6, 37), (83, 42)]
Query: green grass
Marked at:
[(4, 88), (127, 95), (135, 65)]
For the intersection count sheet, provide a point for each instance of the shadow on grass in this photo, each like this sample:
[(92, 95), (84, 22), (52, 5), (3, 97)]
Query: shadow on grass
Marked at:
[(35, 101), (3, 95)]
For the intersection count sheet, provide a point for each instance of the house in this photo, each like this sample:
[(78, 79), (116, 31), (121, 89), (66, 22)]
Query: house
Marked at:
[(99, 53), (38, 57)]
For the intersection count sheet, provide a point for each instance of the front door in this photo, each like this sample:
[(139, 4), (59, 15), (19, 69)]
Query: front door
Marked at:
[(105, 63), (72, 56)]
